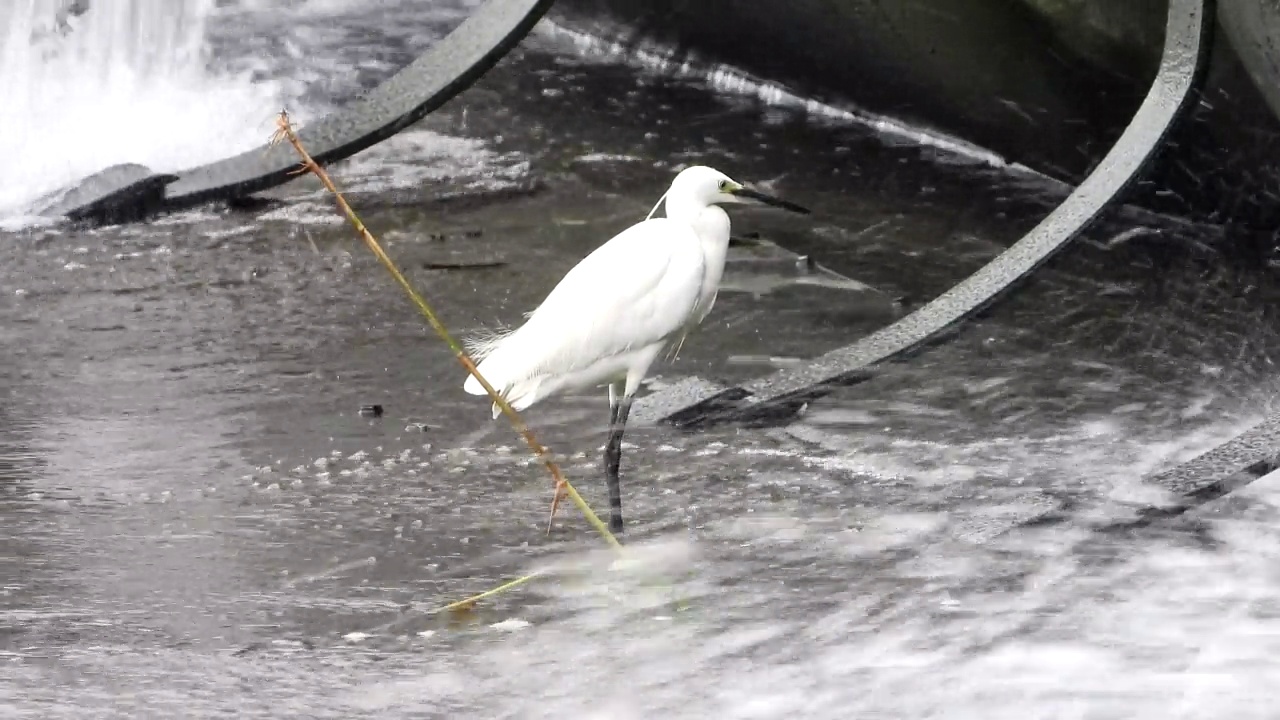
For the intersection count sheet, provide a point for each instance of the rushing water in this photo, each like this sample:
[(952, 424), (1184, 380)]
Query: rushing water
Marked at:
[(126, 81), (195, 520)]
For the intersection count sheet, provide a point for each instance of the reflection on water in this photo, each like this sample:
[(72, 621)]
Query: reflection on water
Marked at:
[(198, 521)]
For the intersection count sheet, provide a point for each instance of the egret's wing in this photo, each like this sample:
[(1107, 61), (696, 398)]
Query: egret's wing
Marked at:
[(634, 290)]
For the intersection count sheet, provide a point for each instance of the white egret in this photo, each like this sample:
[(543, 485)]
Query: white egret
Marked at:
[(612, 315)]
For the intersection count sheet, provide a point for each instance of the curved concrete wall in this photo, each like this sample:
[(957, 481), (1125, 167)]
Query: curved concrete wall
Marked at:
[(1114, 34), (935, 62), (1048, 83), (1254, 29)]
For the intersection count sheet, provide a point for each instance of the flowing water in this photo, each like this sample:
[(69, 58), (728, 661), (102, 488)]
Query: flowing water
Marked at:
[(198, 521), (125, 82)]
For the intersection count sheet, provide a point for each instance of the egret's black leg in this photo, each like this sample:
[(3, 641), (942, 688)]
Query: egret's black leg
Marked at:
[(618, 412), (613, 410)]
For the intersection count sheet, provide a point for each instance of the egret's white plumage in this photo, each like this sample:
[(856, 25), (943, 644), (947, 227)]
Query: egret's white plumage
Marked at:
[(608, 317), (611, 316), (615, 311)]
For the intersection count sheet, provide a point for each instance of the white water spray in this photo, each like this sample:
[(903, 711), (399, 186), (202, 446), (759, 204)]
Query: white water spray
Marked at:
[(125, 81)]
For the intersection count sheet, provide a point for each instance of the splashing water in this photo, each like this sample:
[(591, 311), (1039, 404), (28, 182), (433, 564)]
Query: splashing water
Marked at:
[(92, 83)]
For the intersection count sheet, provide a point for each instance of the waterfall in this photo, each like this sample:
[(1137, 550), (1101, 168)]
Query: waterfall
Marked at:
[(85, 84)]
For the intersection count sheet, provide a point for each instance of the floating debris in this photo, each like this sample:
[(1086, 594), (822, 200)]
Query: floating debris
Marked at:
[(463, 265)]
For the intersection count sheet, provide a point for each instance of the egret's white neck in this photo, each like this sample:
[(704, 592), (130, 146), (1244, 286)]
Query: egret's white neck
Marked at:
[(710, 223), (682, 208)]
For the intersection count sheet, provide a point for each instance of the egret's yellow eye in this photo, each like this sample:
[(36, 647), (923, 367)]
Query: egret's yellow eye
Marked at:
[(724, 185)]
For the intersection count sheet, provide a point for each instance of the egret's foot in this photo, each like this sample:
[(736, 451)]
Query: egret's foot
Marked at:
[(615, 524)]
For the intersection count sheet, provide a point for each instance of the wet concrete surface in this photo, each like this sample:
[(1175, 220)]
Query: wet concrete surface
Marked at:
[(197, 520)]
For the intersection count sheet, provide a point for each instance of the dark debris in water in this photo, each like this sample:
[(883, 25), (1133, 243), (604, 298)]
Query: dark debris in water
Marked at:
[(443, 236), (475, 265)]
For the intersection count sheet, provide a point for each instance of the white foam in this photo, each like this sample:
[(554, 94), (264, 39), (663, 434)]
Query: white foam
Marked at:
[(125, 82), (413, 158)]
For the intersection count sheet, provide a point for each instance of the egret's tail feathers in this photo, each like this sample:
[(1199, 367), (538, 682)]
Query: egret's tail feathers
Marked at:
[(482, 343), (472, 385), (521, 395), (481, 346)]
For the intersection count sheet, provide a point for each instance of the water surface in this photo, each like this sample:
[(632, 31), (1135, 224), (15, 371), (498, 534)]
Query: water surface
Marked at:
[(199, 521)]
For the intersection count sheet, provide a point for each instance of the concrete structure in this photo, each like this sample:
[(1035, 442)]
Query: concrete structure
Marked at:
[(1048, 83)]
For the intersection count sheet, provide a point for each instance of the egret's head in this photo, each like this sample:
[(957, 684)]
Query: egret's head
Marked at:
[(709, 186)]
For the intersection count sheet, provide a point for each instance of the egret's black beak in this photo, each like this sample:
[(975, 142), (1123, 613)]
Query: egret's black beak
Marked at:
[(745, 192)]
